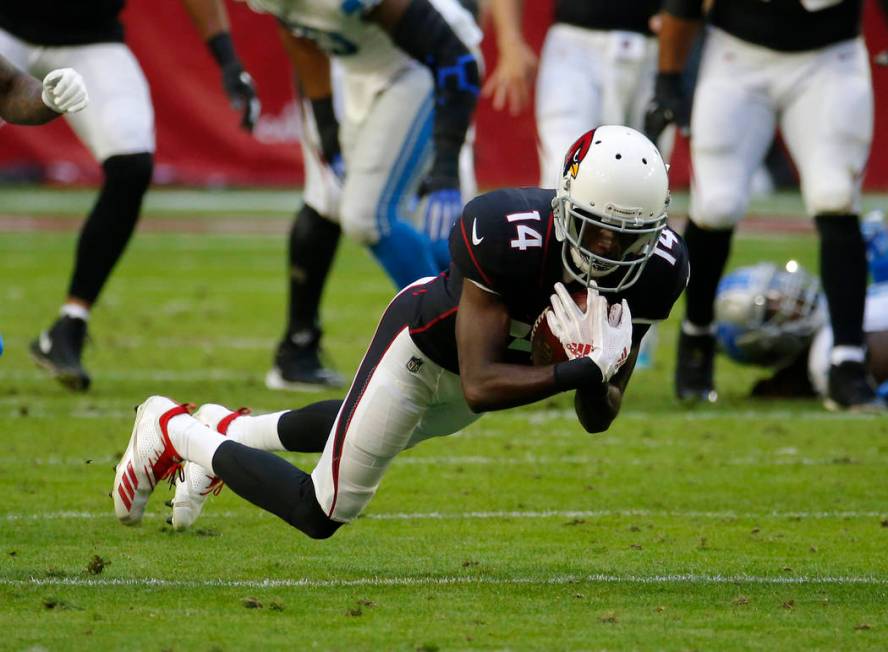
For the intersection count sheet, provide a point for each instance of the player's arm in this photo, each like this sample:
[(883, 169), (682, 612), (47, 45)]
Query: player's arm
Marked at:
[(26, 101), (680, 21), (312, 68), (510, 82), (482, 334), (417, 28), (211, 20), (598, 405)]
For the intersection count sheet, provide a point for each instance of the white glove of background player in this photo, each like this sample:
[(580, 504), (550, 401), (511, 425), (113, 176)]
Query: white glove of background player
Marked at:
[(64, 91), (602, 333)]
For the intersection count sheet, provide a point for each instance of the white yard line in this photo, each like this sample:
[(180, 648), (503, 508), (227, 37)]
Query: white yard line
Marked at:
[(470, 580), (489, 515)]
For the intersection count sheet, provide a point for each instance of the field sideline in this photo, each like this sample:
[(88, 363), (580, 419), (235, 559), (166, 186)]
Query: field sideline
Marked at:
[(736, 526)]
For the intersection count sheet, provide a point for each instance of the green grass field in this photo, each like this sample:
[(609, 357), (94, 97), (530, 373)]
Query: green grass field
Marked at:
[(736, 526)]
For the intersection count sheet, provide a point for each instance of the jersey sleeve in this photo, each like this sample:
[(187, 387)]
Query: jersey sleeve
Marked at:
[(500, 243), (664, 279)]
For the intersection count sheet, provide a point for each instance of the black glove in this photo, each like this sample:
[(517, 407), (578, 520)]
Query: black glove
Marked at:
[(236, 81), (668, 105)]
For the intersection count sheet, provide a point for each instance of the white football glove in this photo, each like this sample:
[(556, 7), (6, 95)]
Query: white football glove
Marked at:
[(64, 91), (602, 333)]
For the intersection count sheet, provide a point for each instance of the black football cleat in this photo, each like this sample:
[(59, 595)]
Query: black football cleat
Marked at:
[(695, 368), (298, 367), (851, 388), (59, 350)]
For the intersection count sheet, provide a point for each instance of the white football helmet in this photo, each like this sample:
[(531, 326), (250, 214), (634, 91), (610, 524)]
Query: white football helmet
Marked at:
[(766, 315), (613, 180)]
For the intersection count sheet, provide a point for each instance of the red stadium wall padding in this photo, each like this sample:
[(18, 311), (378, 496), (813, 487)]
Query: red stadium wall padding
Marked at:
[(199, 142)]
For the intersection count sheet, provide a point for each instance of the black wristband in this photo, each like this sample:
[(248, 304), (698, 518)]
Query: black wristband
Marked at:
[(328, 126), (222, 48), (582, 372), (668, 84)]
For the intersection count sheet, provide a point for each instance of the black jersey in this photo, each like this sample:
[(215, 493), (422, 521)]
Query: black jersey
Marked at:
[(505, 242), (63, 22), (629, 15), (786, 25)]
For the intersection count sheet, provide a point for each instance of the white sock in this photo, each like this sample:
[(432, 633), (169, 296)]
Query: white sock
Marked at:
[(76, 310), (844, 353), (257, 432), (193, 440), (695, 329)]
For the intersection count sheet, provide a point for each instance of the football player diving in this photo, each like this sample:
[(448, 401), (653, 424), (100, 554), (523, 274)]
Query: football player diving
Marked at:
[(451, 347)]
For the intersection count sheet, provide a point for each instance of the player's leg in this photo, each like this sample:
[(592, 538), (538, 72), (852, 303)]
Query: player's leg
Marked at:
[(733, 124), (384, 155), (568, 93), (303, 430), (118, 127), (375, 422), (314, 238), (828, 125)]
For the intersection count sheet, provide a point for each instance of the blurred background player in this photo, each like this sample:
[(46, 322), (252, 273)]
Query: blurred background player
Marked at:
[(402, 131), (803, 66), (26, 101), (776, 318), (117, 127)]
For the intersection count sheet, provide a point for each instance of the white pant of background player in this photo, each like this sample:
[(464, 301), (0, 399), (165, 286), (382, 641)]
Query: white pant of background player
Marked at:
[(875, 319), (822, 100), (589, 78), (119, 118), (386, 150)]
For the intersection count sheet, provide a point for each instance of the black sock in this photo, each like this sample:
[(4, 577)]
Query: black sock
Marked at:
[(109, 226), (313, 242), (306, 430), (843, 273), (708, 252), (275, 485)]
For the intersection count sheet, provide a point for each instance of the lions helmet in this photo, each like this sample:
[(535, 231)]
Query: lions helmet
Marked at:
[(766, 315), (610, 206)]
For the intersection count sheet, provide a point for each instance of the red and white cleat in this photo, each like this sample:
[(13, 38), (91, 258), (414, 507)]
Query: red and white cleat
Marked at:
[(149, 458), (195, 484)]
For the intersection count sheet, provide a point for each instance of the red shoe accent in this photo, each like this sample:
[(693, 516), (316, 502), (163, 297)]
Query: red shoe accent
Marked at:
[(169, 461), (126, 499), (224, 422)]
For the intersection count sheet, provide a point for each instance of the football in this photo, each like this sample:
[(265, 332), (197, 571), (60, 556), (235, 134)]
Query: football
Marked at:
[(544, 346)]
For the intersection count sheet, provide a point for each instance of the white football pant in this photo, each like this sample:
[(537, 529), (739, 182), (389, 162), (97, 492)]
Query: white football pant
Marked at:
[(589, 78), (822, 100)]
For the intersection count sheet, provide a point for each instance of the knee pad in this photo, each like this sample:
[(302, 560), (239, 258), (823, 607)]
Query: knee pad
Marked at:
[(718, 211), (834, 195), (359, 224), (130, 171)]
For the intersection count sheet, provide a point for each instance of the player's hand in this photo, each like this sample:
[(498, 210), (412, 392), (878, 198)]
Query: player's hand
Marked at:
[(881, 59), (510, 82), (64, 91), (669, 105), (602, 333), (440, 205), (241, 93)]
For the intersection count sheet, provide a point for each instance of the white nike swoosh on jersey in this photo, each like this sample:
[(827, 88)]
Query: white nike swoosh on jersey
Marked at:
[(475, 239)]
